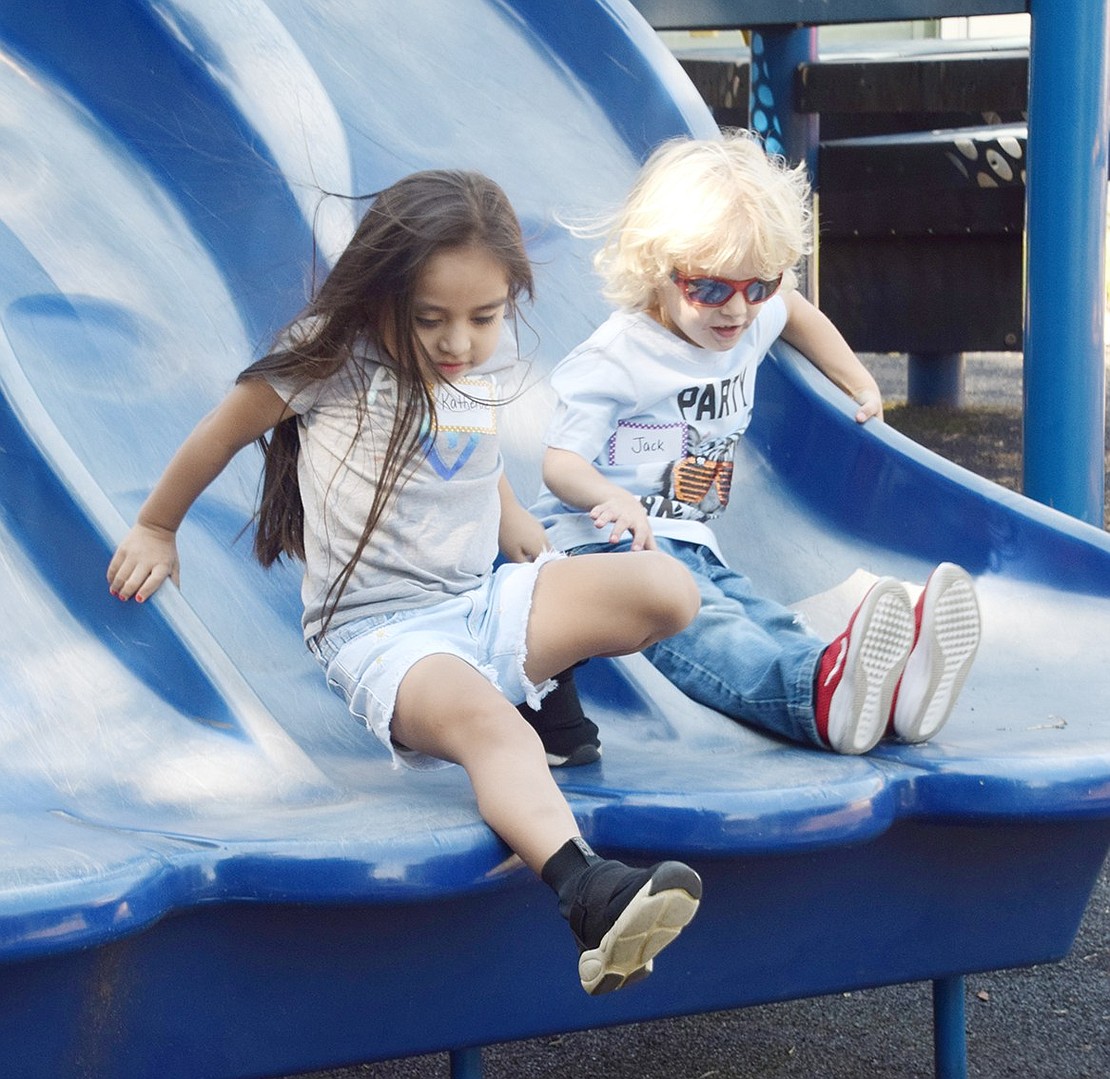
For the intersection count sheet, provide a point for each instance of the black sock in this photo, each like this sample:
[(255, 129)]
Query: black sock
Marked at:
[(566, 865), (592, 890), (560, 708)]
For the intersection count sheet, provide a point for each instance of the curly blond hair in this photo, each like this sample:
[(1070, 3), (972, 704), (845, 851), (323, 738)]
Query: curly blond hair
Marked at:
[(707, 206)]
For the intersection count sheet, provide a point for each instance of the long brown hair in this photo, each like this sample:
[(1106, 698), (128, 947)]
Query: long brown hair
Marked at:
[(367, 300)]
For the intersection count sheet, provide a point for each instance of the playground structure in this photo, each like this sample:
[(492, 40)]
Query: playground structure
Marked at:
[(206, 868), (1064, 376), (920, 150)]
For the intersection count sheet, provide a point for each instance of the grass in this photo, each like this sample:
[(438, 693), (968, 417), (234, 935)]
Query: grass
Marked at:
[(986, 441)]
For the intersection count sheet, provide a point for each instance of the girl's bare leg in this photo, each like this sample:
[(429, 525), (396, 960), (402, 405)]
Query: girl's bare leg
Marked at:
[(447, 709), (621, 917), (605, 605)]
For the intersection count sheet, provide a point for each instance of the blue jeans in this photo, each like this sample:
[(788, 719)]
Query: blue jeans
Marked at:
[(745, 656)]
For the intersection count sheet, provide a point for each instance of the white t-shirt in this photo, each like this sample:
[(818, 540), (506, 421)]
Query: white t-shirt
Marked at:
[(659, 417), (438, 537)]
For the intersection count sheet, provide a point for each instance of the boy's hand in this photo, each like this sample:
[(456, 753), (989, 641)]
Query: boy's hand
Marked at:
[(626, 514), (571, 478), (870, 405), (816, 338), (145, 558)]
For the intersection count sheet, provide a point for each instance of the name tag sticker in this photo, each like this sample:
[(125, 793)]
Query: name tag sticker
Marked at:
[(636, 443), (455, 410)]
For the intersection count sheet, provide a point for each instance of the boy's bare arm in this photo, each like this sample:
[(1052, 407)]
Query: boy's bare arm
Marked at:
[(573, 480), (147, 555), (812, 333)]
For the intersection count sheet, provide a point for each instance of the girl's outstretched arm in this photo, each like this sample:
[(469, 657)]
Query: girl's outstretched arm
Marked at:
[(520, 537), (573, 480), (813, 334), (148, 553)]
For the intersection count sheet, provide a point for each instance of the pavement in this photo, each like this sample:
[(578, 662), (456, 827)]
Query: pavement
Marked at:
[(1042, 1022)]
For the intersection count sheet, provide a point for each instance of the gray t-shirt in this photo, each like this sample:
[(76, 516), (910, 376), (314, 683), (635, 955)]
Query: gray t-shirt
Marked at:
[(438, 537)]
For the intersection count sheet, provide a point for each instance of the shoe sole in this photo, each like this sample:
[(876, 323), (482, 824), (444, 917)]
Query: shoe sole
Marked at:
[(878, 647), (582, 755), (940, 661), (658, 912)]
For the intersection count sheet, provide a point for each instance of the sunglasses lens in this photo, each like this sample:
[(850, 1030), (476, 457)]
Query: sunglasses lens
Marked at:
[(758, 291), (708, 291)]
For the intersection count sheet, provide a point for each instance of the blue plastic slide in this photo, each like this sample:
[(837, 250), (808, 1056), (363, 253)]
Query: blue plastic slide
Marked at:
[(206, 867)]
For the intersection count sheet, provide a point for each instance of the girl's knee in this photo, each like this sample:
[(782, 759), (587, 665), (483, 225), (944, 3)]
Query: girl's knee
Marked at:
[(670, 590), (499, 728), (687, 597), (631, 599), (446, 708)]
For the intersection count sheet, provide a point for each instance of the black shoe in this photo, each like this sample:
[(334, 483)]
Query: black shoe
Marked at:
[(623, 917), (569, 737)]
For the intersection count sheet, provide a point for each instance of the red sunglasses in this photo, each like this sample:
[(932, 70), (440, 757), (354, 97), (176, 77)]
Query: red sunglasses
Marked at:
[(717, 291)]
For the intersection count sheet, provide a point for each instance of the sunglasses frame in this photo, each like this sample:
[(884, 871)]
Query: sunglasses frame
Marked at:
[(684, 281)]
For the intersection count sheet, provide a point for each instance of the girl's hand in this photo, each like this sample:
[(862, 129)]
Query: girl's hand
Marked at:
[(148, 553), (145, 558), (521, 537), (626, 514)]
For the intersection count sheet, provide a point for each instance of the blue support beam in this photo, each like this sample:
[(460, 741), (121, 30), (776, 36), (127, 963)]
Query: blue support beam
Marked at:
[(935, 379), (777, 53), (466, 1063), (949, 1028), (1065, 381)]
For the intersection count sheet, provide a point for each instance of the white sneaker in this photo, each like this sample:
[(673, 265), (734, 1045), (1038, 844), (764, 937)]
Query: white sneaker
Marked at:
[(947, 637), (859, 671)]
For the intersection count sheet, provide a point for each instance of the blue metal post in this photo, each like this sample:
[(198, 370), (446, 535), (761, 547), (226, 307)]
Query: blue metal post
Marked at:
[(949, 1028), (466, 1063), (1064, 424), (776, 55), (935, 378)]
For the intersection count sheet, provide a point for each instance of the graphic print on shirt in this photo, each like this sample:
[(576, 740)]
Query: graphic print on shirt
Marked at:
[(696, 453), (697, 485), (464, 413), (712, 401)]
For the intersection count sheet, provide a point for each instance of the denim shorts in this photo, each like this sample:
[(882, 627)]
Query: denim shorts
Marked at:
[(365, 660)]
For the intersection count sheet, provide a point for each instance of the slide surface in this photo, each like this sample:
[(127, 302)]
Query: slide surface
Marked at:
[(163, 169)]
